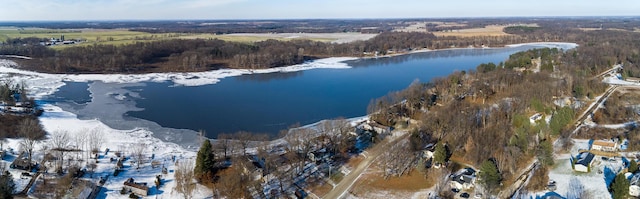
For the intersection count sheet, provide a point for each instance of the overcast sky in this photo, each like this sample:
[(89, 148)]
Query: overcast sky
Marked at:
[(30, 10)]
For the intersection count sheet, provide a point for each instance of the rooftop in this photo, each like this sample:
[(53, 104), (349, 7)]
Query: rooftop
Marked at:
[(604, 143), (585, 158)]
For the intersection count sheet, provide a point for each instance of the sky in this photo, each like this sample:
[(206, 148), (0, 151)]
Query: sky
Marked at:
[(52, 10)]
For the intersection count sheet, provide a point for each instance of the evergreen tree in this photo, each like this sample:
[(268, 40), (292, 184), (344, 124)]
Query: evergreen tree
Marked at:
[(6, 185), (620, 187), (204, 160), (440, 154), (545, 153), (633, 166), (489, 175)]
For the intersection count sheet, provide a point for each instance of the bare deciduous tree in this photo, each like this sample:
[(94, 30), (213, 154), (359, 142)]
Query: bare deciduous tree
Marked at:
[(96, 140), (224, 143), (300, 145), (184, 177), (138, 153), (236, 183), (60, 144), (244, 139), (3, 137), (81, 141), (398, 159), (31, 131)]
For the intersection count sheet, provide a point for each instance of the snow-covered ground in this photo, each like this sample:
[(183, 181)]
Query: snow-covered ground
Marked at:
[(561, 45), (616, 81), (595, 183), (180, 79)]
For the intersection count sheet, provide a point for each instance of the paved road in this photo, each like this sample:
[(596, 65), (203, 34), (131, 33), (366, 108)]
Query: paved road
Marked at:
[(521, 181), (514, 188), (341, 189), (615, 67), (595, 105)]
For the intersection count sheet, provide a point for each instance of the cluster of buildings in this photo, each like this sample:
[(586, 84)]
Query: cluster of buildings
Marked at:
[(58, 41), (584, 160)]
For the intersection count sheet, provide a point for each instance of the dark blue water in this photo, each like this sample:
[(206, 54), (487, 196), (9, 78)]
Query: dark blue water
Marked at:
[(268, 103), (72, 92)]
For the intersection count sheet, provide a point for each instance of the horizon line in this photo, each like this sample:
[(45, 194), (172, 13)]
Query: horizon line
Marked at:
[(302, 19)]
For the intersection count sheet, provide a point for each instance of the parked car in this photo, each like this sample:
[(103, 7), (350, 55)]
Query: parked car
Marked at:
[(464, 195)]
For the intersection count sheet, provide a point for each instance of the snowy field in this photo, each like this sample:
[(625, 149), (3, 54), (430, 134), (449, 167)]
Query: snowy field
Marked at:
[(334, 37)]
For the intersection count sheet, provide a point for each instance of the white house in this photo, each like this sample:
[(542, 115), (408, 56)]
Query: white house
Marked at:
[(428, 151), (535, 117), (634, 188), (604, 145), (374, 126), (583, 162)]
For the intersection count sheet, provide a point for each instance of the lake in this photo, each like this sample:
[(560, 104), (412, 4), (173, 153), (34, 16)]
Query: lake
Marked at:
[(267, 103)]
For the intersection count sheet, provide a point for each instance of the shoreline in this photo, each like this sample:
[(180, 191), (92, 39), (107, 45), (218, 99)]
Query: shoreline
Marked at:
[(162, 144), (215, 76), (43, 84)]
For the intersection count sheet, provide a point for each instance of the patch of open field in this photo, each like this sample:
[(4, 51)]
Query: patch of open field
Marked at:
[(325, 37), (413, 27), (123, 36), (446, 24), (492, 30), (87, 36), (615, 29), (320, 189), (373, 185), (421, 26)]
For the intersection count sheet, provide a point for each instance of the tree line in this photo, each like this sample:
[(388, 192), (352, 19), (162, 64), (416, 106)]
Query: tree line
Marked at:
[(175, 55)]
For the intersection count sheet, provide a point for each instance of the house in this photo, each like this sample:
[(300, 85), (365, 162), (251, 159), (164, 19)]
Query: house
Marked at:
[(634, 187), (83, 189), (463, 179), (137, 188), (428, 151), (374, 126), (604, 145), (582, 162), (535, 117), (22, 162)]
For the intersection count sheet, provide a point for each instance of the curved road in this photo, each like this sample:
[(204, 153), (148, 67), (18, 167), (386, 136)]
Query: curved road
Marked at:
[(345, 184)]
